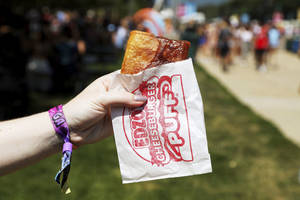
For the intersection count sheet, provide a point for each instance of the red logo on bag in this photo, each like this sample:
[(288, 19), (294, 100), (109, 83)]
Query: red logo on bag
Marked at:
[(160, 130)]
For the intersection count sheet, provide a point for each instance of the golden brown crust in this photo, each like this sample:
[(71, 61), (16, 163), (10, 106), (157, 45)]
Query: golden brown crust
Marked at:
[(145, 50), (141, 49)]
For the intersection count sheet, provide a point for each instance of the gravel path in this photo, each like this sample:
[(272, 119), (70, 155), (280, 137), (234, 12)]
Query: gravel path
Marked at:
[(274, 94)]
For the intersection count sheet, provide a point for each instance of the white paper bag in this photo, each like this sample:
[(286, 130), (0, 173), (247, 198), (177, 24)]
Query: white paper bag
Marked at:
[(166, 137)]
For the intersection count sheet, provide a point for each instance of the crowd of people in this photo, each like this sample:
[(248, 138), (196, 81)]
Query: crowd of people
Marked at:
[(226, 41), (46, 50)]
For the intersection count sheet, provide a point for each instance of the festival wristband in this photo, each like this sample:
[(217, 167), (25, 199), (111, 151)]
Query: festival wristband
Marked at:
[(62, 129)]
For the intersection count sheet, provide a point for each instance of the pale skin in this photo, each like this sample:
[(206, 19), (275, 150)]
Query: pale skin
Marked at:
[(27, 140)]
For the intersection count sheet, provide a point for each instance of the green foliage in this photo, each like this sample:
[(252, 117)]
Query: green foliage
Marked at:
[(250, 158)]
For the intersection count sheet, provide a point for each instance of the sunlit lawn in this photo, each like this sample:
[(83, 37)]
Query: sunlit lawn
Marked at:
[(250, 158)]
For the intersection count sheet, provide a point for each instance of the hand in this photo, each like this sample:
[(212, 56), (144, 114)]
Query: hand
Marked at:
[(88, 114)]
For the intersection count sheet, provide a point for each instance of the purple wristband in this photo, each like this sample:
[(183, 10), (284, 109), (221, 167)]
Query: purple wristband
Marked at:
[(59, 121), (67, 147), (61, 127)]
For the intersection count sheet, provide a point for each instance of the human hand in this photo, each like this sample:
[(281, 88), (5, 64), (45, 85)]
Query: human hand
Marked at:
[(88, 114)]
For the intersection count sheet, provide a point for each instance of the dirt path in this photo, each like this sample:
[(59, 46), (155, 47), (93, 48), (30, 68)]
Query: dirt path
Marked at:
[(274, 94)]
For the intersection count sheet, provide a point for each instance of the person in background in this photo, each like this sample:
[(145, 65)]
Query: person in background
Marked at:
[(65, 60), (121, 35), (246, 39), (261, 44), (274, 38), (171, 31), (190, 34), (13, 59), (235, 42), (210, 47), (201, 30), (223, 46)]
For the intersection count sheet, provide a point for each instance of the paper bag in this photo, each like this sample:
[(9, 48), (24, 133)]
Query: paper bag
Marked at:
[(166, 137)]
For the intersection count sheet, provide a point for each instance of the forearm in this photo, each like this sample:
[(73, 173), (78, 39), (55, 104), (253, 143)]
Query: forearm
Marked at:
[(25, 141)]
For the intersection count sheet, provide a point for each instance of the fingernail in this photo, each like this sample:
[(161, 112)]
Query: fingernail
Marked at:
[(140, 98)]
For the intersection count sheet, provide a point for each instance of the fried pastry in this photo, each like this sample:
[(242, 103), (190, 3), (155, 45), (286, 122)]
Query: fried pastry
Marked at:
[(144, 50)]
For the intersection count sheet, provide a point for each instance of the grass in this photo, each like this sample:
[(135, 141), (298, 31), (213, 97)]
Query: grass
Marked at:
[(250, 157)]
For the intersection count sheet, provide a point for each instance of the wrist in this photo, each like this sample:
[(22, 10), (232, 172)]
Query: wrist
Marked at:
[(51, 138), (61, 128), (69, 116)]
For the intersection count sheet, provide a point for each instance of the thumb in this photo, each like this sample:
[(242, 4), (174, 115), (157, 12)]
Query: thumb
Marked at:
[(122, 98)]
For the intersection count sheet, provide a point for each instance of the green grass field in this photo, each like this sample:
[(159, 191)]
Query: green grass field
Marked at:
[(250, 158)]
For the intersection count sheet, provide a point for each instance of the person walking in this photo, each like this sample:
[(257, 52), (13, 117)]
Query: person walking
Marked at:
[(261, 45)]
